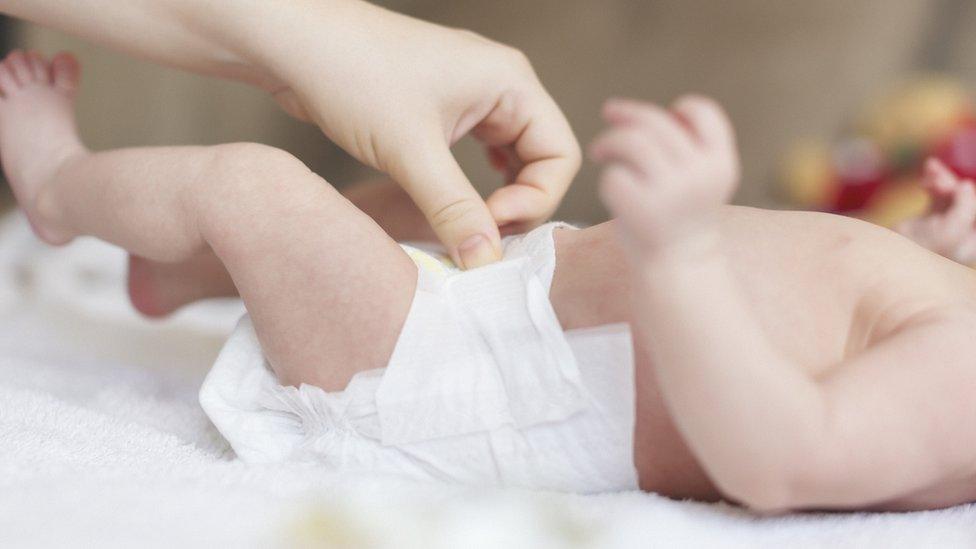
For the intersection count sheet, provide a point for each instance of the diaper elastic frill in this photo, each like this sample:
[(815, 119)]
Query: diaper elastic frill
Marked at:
[(483, 387)]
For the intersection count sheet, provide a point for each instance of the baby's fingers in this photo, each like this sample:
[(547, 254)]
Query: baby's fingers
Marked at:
[(965, 253), (910, 228), (654, 120), (960, 218), (940, 183), (707, 121), (938, 178), (629, 146), (620, 190), (630, 201)]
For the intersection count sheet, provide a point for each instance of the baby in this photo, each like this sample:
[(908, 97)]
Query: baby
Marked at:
[(781, 360)]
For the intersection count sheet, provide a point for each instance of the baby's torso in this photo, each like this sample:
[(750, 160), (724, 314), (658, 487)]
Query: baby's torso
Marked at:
[(824, 288)]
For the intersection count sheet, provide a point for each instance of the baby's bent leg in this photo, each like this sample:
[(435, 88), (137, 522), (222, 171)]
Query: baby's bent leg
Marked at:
[(158, 289), (327, 289)]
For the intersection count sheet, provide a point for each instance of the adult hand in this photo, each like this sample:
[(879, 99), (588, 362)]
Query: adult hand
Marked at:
[(393, 91), (396, 93)]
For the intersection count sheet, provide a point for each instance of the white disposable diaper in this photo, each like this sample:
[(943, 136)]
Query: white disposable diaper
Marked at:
[(483, 387)]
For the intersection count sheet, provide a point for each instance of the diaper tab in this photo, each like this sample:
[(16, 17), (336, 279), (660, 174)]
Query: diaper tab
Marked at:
[(480, 350)]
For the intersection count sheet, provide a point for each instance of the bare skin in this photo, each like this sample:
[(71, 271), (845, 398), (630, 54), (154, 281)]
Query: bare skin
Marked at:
[(949, 228), (281, 232), (807, 361), (785, 360), (335, 63), (158, 289), (850, 286)]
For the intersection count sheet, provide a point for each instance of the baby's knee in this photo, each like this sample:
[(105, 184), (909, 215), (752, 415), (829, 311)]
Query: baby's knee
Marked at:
[(248, 180), (245, 170), (241, 184)]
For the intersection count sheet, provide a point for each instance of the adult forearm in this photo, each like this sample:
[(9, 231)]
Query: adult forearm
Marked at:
[(394, 92), (221, 38)]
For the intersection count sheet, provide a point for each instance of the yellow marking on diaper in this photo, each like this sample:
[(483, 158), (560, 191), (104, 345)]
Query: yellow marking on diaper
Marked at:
[(440, 264)]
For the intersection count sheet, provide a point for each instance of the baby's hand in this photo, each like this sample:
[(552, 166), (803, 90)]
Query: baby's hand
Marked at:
[(950, 226), (667, 172)]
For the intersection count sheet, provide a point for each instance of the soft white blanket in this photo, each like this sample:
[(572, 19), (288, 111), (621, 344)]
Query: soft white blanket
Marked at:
[(102, 443)]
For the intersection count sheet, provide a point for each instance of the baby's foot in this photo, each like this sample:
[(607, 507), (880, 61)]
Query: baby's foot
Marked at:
[(37, 127), (158, 289), (666, 171)]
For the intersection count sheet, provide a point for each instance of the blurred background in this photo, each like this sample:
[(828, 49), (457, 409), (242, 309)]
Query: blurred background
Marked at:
[(788, 71)]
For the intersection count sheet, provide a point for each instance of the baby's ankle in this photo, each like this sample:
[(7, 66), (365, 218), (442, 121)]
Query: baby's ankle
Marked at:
[(46, 211)]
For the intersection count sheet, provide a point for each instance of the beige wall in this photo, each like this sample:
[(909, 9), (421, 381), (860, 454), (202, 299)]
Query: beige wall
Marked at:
[(784, 69)]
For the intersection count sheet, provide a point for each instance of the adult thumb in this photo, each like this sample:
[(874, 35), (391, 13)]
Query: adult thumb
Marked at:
[(456, 212)]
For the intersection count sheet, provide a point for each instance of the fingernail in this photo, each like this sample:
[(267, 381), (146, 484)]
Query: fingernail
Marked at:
[(476, 251)]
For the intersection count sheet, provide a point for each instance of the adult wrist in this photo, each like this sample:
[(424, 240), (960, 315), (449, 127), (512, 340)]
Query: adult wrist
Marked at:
[(288, 40)]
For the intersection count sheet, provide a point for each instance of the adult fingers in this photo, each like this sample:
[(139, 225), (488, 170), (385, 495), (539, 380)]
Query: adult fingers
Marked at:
[(432, 177), (546, 154)]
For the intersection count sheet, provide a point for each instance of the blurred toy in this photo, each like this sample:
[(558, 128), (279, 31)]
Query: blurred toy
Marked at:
[(874, 172)]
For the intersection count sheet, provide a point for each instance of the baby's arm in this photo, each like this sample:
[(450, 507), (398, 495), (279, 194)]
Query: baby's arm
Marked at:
[(769, 435), (949, 228)]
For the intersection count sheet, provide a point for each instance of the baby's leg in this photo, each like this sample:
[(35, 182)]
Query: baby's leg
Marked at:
[(327, 290), (158, 289)]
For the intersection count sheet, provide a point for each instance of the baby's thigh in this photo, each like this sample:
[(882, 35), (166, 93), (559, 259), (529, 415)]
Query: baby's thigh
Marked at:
[(335, 305), (327, 290)]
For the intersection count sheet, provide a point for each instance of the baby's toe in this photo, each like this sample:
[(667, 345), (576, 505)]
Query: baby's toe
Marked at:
[(38, 67), (65, 72), (19, 66), (8, 84)]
